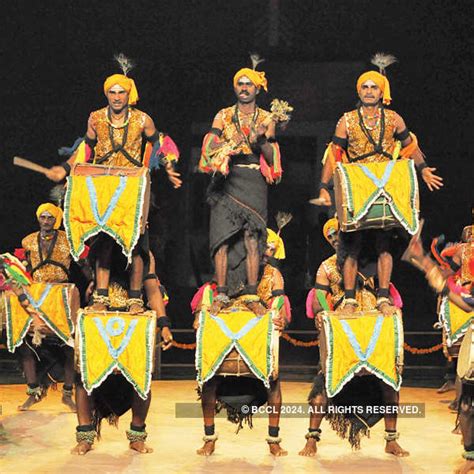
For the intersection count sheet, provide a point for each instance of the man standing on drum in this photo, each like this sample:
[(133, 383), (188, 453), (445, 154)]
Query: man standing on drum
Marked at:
[(369, 134), (328, 289), (241, 153), (114, 138)]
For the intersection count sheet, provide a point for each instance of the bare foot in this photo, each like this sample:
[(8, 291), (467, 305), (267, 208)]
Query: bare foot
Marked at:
[(141, 447), (392, 447), (446, 387), (454, 405), (387, 309), (98, 307), (81, 448), (276, 449), (207, 448), (348, 309), (468, 466), (310, 448), (256, 307), (69, 402), (216, 307), (136, 308), (30, 401)]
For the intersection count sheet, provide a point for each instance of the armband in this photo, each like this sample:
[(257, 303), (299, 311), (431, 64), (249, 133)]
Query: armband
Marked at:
[(342, 142), (66, 166), (216, 131), (278, 293), (91, 142), (422, 166), (403, 135), (153, 138), (163, 322)]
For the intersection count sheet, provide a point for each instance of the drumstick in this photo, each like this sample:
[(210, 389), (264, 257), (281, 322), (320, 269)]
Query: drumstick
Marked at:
[(319, 202), (17, 161)]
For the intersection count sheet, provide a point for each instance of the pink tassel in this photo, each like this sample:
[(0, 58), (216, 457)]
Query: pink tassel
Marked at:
[(198, 297), (168, 147), (457, 289), (309, 304), (396, 297), (287, 308)]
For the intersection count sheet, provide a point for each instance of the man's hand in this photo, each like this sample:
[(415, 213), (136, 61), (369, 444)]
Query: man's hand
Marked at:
[(56, 173), (279, 323), (319, 321), (173, 176), (324, 198), (432, 180), (167, 339)]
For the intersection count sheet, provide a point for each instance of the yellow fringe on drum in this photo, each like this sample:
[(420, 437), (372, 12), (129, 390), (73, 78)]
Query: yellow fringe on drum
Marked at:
[(370, 341), (110, 204), (53, 309), (400, 187), (454, 320), (111, 341), (238, 328)]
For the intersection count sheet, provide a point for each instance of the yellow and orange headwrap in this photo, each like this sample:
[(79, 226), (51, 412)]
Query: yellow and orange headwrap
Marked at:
[(55, 211), (276, 242), (331, 226), (257, 77), (123, 81), (380, 80)]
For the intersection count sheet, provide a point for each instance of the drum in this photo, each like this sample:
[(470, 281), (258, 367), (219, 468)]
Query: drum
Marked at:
[(54, 309), (454, 321), (377, 196), (115, 342), (465, 366), (237, 342), (361, 343), (451, 351), (104, 199), (85, 169)]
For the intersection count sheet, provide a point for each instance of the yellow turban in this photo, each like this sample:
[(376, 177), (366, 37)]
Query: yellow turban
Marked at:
[(257, 77), (123, 81), (274, 240), (380, 80), (330, 225), (55, 211)]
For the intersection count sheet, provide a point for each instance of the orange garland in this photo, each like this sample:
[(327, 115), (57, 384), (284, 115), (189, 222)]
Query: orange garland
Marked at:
[(417, 351), (188, 347), (297, 343)]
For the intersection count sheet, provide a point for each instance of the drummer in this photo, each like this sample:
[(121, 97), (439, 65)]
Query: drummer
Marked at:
[(461, 293), (269, 289), (329, 284), (48, 259), (365, 135), (114, 138)]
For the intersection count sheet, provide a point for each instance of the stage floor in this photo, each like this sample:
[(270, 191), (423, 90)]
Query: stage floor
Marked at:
[(39, 441)]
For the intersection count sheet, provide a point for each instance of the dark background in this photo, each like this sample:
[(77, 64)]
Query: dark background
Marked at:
[(56, 54)]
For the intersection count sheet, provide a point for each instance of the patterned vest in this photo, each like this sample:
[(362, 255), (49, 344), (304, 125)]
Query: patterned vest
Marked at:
[(115, 143), (364, 297), (358, 144), (48, 272), (467, 256), (233, 121)]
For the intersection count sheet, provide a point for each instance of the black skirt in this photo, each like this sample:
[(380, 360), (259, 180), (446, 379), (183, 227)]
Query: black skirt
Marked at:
[(238, 203)]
